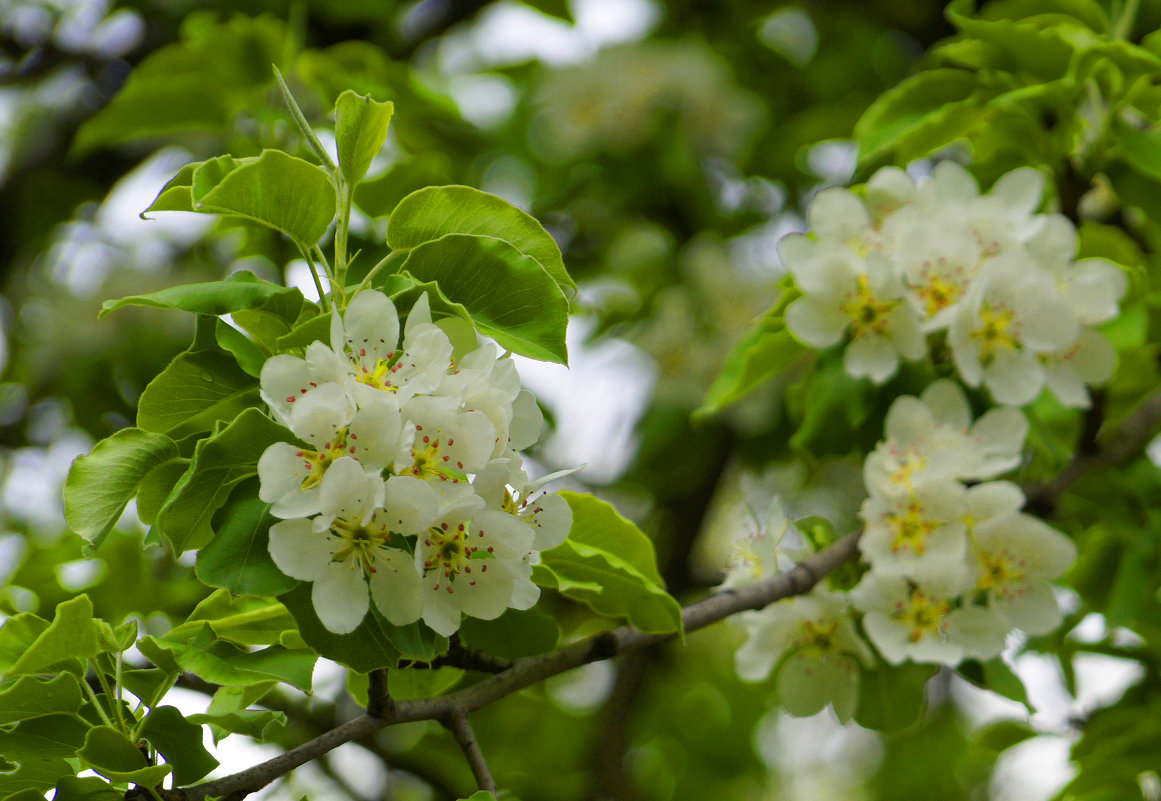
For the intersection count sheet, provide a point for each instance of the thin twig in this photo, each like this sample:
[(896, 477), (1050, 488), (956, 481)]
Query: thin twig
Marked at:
[(534, 669), (1131, 437), (457, 724)]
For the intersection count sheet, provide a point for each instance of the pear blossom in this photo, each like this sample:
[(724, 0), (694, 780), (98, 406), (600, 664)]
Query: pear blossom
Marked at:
[(843, 292), (1091, 360), (919, 534), (932, 437), (291, 476), (811, 644), (350, 552), (506, 487), (473, 561), (925, 621), (999, 332), (758, 554), (440, 442), (1015, 555)]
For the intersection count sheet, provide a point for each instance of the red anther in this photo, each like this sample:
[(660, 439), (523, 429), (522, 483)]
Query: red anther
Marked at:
[(446, 458), (472, 584), (537, 510), (374, 569), (460, 465), (299, 453), (450, 590), (365, 370), (443, 478), (302, 391), (467, 569), (419, 428), (427, 439), (352, 449), (391, 355), (362, 351), (481, 533), (483, 568), (491, 549), (354, 436), (443, 526), (290, 399), (461, 527), (451, 442), (313, 384), (427, 542)]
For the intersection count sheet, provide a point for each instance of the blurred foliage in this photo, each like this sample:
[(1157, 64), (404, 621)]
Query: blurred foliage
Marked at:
[(666, 167)]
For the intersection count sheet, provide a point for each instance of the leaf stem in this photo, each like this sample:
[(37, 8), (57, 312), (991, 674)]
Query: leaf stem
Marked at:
[(96, 702), (303, 125), (322, 295), (332, 277), (108, 691), (1124, 24), (383, 262)]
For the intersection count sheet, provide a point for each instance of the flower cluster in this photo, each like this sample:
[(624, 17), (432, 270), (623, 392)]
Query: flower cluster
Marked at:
[(809, 641), (954, 563), (407, 488), (998, 281)]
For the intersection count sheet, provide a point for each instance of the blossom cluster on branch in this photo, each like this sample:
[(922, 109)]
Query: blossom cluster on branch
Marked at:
[(408, 489), (911, 268)]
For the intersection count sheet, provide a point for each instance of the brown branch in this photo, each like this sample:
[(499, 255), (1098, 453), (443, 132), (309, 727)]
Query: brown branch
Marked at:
[(379, 701), (1130, 439), (532, 670), (457, 724)]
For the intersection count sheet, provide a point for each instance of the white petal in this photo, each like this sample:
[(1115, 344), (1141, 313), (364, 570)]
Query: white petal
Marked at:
[(839, 214), (1021, 189), (551, 519), (411, 505), (370, 328), (419, 315), (283, 379), (340, 597), (817, 323), (349, 492), (298, 550), (872, 357), (948, 404), (527, 422), (396, 587), (281, 471), (1014, 377), (1032, 608)]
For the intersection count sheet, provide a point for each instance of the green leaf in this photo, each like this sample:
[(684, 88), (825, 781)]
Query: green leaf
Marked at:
[(89, 788), (1003, 734), (610, 552), (766, 350), (514, 634), (482, 795), (376, 643), (408, 683), (277, 190), (71, 635), (244, 620), (100, 484), (201, 84), (114, 756), (218, 463), (219, 662), (316, 329), (238, 558), (180, 742), (30, 697), (242, 290), (434, 212), (241, 347), (17, 635), (50, 735), (509, 295), (1045, 52), (148, 684), (1141, 149), (996, 676), (360, 131), (176, 194), (199, 387), (891, 698), (259, 724), (908, 106), (35, 775)]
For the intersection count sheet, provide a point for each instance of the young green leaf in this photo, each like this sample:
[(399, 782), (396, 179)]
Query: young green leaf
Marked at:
[(180, 742), (434, 212), (71, 635), (360, 131), (514, 634), (242, 290), (117, 758), (202, 653), (509, 295), (609, 564), (278, 190), (32, 697), (238, 558), (218, 463), (374, 644), (100, 484)]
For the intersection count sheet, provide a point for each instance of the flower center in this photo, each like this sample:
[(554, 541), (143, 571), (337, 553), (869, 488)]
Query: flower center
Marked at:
[(868, 314), (938, 294), (378, 376), (923, 614), (995, 333), (911, 528), (999, 571), (429, 463), (819, 636), (357, 544), (318, 461)]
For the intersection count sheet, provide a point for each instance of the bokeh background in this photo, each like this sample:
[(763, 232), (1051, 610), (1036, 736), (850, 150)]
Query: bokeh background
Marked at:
[(667, 147)]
